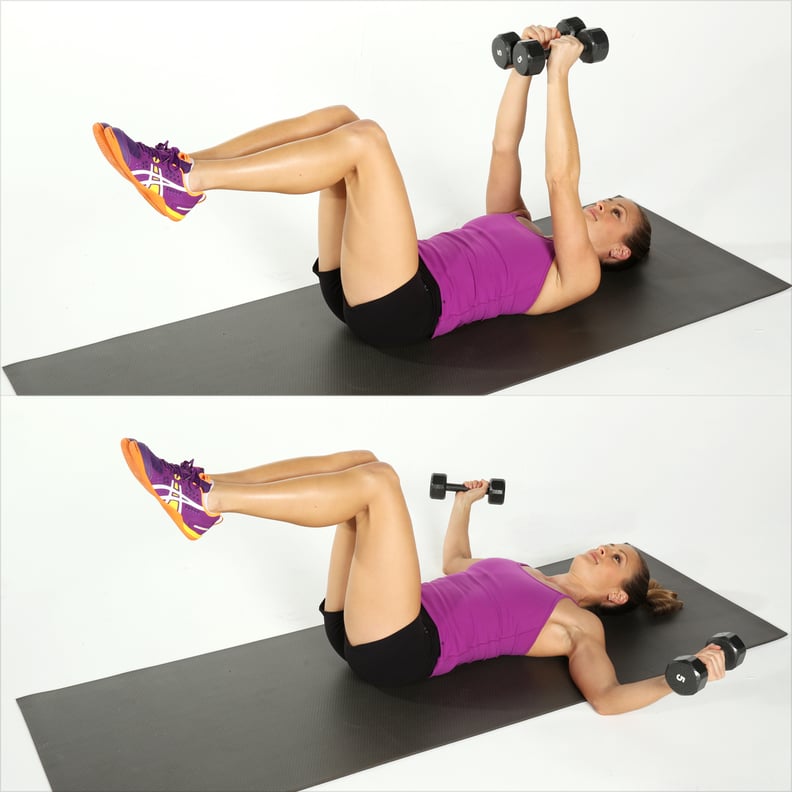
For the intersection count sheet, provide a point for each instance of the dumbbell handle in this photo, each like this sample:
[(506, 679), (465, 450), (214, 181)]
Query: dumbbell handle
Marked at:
[(456, 487), (547, 50)]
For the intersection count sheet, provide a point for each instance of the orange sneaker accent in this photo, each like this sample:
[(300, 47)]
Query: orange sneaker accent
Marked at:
[(99, 136)]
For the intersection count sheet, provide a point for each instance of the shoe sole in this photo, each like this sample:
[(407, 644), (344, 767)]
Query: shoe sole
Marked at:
[(134, 460), (99, 137), (109, 146)]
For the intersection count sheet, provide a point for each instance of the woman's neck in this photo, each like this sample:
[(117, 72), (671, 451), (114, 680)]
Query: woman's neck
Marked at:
[(572, 587)]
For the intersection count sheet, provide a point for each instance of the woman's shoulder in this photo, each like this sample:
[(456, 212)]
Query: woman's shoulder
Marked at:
[(577, 620), (525, 220), (565, 629)]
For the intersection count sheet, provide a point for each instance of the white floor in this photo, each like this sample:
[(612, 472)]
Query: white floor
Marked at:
[(680, 444)]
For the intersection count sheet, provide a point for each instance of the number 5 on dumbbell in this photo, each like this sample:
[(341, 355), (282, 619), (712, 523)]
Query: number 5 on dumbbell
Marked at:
[(439, 485)]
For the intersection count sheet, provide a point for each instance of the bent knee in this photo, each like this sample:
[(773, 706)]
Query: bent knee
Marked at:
[(356, 457), (345, 114), (369, 133), (381, 477)]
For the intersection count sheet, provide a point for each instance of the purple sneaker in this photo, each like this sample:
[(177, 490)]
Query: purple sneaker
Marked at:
[(158, 173), (180, 489)]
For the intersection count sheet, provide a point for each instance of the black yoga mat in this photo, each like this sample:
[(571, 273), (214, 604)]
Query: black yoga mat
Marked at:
[(286, 712), (290, 344)]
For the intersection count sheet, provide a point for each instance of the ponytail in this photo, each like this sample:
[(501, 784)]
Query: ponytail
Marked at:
[(661, 601), (644, 590)]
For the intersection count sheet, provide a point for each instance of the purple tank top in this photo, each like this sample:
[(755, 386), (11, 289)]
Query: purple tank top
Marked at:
[(491, 266), (493, 608)]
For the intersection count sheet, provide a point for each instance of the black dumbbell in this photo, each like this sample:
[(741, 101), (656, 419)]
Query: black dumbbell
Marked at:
[(687, 674), (439, 485), (503, 45), (528, 56)]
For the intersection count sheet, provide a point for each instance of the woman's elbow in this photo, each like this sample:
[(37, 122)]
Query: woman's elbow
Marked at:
[(603, 700), (602, 708), (449, 567), (607, 702), (456, 564), (562, 178)]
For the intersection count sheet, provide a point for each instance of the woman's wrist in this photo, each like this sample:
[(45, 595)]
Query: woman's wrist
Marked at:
[(523, 80), (557, 76)]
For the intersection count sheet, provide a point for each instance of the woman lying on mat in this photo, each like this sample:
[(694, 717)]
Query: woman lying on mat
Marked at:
[(375, 275), (381, 619)]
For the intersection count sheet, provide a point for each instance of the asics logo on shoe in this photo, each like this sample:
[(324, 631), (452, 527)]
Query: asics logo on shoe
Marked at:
[(155, 181), (175, 497)]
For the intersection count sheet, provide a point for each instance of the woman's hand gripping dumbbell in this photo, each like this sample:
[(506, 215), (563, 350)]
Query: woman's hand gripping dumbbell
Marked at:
[(687, 674), (528, 54), (439, 486)]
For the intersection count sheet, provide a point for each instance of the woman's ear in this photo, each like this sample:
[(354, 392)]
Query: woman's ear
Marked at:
[(619, 253), (618, 597)]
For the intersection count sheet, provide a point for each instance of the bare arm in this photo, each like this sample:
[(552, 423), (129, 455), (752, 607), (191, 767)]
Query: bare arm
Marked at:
[(456, 546), (577, 262), (505, 174), (593, 673)]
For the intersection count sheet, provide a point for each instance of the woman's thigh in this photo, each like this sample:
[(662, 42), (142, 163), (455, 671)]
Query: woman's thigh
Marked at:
[(379, 247), (332, 217), (341, 556), (383, 591)]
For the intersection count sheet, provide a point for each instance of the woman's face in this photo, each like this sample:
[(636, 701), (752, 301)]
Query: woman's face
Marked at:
[(609, 222), (604, 569)]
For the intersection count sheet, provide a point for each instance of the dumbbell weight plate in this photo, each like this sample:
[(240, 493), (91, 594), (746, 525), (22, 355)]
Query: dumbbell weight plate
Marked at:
[(502, 47), (529, 57), (437, 485), (686, 675), (570, 26), (496, 493), (595, 43), (733, 648)]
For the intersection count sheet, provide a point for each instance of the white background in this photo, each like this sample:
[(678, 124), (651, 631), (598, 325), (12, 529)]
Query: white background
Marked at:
[(690, 115)]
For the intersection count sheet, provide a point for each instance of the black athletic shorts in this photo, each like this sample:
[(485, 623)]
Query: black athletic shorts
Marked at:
[(407, 656), (406, 315)]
